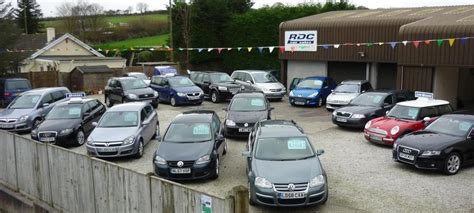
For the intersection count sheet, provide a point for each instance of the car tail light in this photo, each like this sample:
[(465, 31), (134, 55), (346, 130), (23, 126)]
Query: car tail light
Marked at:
[(7, 94)]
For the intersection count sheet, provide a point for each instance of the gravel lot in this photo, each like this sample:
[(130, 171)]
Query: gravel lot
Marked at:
[(362, 176)]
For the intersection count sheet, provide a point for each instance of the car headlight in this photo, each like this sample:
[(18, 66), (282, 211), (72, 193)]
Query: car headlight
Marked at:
[(155, 94), (334, 113), (204, 159), (181, 94), (129, 140), (230, 123), (292, 94), (317, 181), (395, 145), (159, 160), (358, 116), (263, 183), (34, 132), (431, 153), (395, 130), (132, 96), (222, 88), (265, 89), (90, 141), (368, 124), (23, 118), (313, 95), (66, 131)]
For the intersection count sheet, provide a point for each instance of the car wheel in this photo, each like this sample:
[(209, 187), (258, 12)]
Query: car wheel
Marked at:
[(214, 97), (225, 148), (452, 163), (320, 102), (141, 148), (251, 200), (80, 137), (216, 169), (173, 101), (108, 102)]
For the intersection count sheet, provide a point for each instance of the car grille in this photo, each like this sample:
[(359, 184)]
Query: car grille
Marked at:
[(187, 164), (300, 99), (285, 187), (8, 120), (107, 144), (292, 201), (146, 96), (275, 90), (344, 114), (193, 94), (378, 131), (408, 151), (249, 125), (47, 134)]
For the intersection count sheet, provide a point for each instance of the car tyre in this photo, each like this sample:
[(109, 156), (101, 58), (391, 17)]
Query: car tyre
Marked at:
[(452, 163), (173, 101), (320, 102), (215, 97), (327, 196), (251, 200), (216, 169), (80, 137), (225, 148), (108, 102), (141, 148)]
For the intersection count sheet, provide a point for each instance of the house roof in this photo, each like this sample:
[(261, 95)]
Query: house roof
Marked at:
[(93, 69), (79, 58), (29, 43), (61, 39)]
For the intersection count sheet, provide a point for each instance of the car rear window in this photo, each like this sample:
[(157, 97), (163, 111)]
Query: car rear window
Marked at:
[(17, 84)]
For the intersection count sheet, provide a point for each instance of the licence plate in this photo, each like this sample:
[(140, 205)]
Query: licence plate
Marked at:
[(245, 129), (108, 149), (375, 137), (406, 156), (299, 103), (48, 139), (194, 97), (291, 195), (181, 171), (344, 120), (6, 126)]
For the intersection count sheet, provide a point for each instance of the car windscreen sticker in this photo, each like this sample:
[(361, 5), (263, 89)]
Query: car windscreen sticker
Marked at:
[(75, 111), (412, 112), (464, 126), (296, 144), (201, 129), (131, 117), (257, 102)]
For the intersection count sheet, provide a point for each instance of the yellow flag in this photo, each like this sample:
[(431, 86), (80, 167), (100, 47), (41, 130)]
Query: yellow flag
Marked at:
[(249, 49), (451, 41)]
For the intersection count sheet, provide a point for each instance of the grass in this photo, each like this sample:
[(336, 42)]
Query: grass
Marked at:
[(117, 19), (145, 41)]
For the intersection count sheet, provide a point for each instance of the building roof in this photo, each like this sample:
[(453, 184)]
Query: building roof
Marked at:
[(93, 69), (420, 102), (79, 58), (61, 39)]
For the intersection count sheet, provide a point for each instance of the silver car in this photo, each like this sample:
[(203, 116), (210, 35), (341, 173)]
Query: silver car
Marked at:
[(345, 92), (123, 130), (261, 81)]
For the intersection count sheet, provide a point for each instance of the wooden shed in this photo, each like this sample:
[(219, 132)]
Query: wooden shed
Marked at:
[(90, 78)]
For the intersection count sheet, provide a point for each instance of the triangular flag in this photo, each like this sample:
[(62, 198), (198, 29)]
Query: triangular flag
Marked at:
[(358, 44), (219, 50), (405, 43), (337, 46), (325, 46), (106, 52), (463, 40), (260, 49), (239, 48), (380, 43), (131, 48), (181, 49), (393, 44), (440, 42), (249, 49), (271, 49), (451, 41), (200, 50), (100, 50), (293, 49), (416, 44), (282, 49), (369, 44), (152, 49), (427, 42), (210, 49), (229, 49)]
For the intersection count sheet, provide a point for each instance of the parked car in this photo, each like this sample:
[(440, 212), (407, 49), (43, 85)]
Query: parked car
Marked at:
[(447, 144), (260, 81), (218, 86), (345, 92), (177, 90), (276, 74), (192, 147), (368, 106), (10, 88), (282, 166), (244, 110), (138, 75), (312, 91), (403, 118), (27, 110), (123, 130), (69, 122), (129, 89)]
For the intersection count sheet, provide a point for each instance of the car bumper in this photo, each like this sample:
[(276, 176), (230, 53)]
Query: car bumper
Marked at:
[(268, 197), (198, 172), (60, 139), (333, 106), (378, 138), (16, 127), (186, 100), (235, 132), (153, 101), (422, 162), (274, 95), (304, 101), (349, 122), (110, 152)]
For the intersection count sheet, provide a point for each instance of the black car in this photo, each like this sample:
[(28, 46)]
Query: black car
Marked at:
[(69, 122), (217, 86), (191, 147), (282, 166), (244, 110), (445, 145), (368, 106), (129, 89)]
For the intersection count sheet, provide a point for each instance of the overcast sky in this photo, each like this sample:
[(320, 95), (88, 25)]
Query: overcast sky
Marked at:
[(49, 6)]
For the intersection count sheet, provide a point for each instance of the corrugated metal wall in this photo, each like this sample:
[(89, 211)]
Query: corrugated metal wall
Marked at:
[(415, 78)]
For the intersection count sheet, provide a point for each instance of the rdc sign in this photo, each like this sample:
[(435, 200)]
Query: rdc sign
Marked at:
[(301, 41)]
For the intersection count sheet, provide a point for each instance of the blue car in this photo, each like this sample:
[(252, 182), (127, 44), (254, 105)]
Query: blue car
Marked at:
[(10, 88), (177, 90), (312, 91)]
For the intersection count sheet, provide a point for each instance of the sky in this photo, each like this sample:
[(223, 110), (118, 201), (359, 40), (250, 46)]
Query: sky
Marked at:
[(49, 6)]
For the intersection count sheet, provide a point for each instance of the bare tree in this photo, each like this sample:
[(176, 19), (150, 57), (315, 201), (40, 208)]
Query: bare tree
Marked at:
[(81, 17), (129, 10), (142, 7)]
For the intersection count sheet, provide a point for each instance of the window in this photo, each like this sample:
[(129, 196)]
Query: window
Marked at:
[(148, 110), (366, 87), (157, 80), (58, 95), (206, 78), (428, 112), (87, 108), (216, 124), (199, 77), (237, 76), (143, 115), (443, 109), (111, 83), (93, 105), (247, 77), (401, 97), (388, 100), (48, 99)]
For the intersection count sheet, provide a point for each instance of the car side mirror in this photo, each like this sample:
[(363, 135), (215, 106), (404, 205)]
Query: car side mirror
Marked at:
[(250, 82), (144, 123), (320, 152), (246, 154), (95, 124), (220, 137), (386, 112), (271, 108), (386, 105), (158, 138), (471, 135), (45, 105), (426, 120)]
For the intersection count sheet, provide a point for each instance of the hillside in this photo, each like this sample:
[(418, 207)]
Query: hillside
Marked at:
[(117, 19), (158, 40)]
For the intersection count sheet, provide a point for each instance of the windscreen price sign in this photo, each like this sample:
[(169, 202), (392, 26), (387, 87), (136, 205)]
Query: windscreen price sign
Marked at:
[(301, 41)]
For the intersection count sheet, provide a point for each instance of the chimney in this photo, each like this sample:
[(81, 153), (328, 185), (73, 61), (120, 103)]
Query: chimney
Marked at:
[(50, 34)]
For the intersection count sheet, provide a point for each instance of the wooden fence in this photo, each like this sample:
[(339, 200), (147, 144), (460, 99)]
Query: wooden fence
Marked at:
[(73, 182)]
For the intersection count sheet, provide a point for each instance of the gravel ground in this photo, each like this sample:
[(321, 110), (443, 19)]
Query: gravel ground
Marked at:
[(362, 176)]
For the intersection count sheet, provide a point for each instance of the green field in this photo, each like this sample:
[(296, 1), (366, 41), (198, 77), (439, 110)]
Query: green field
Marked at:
[(136, 42), (117, 19)]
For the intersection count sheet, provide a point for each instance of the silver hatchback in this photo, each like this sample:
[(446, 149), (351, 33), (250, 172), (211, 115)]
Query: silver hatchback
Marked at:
[(123, 130)]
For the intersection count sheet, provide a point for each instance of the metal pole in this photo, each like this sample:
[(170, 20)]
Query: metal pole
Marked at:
[(25, 7), (171, 32)]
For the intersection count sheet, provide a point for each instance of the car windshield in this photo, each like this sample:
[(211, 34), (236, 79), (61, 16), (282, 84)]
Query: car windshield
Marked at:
[(221, 78), (119, 119), (70, 111), (369, 99), (264, 77), (25, 102), (347, 88), (188, 133), (310, 83), (404, 112), (133, 83), (285, 148), (17, 84), (141, 76), (180, 82), (248, 104), (451, 126)]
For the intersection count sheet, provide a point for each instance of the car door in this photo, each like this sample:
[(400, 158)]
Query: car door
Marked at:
[(152, 119), (206, 83), (295, 82), (46, 105), (219, 141), (147, 126), (388, 103), (198, 80), (157, 85), (325, 90), (113, 91), (470, 145), (87, 117)]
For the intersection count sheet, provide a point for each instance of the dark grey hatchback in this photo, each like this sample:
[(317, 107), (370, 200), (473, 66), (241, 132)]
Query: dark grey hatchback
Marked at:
[(283, 168)]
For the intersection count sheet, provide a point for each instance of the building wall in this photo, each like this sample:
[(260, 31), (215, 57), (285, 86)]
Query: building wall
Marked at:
[(67, 67), (445, 84), (67, 48), (302, 69), (466, 86)]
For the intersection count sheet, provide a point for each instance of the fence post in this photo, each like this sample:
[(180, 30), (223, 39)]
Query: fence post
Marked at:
[(240, 195)]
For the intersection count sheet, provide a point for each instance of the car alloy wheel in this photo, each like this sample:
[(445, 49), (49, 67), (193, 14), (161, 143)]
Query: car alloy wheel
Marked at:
[(320, 102), (36, 123), (140, 149), (173, 101), (453, 163), (80, 138), (107, 101), (214, 97)]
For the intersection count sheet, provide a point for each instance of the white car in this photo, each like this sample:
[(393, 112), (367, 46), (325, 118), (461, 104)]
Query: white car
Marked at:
[(345, 92), (139, 75), (261, 81)]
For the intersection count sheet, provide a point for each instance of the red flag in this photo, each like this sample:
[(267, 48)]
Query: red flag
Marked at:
[(427, 42), (282, 49), (416, 44), (219, 50)]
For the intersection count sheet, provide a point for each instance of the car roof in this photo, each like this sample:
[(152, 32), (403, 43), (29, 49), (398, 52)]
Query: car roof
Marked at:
[(15, 79), (316, 77), (201, 116), (279, 128), (251, 71), (354, 81), (40, 91), (134, 73), (76, 101), (132, 106), (124, 78), (421, 102), (385, 91), (460, 116)]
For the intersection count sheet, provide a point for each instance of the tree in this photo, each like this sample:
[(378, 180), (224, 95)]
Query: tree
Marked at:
[(240, 6), (28, 16), (8, 34), (181, 18), (81, 17), (142, 7), (128, 10)]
